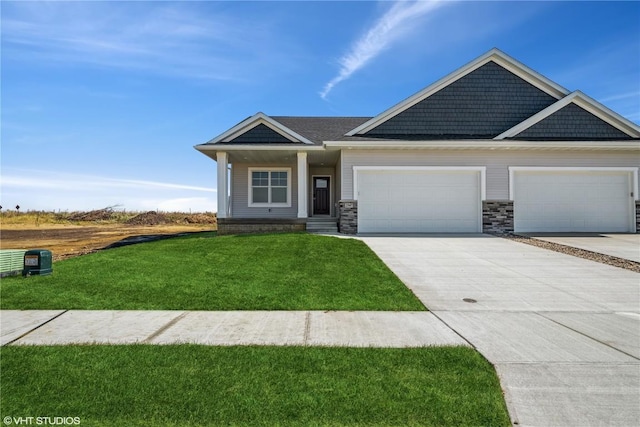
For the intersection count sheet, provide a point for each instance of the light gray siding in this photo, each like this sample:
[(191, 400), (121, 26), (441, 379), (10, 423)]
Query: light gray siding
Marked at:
[(240, 196), (496, 162)]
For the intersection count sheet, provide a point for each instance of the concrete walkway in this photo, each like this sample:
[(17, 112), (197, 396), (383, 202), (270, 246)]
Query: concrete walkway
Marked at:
[(312, 328), (563, 332), (625, 246)]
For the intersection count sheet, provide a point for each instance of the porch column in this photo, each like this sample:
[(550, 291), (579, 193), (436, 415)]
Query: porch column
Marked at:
[(221, 158), (302, 185)]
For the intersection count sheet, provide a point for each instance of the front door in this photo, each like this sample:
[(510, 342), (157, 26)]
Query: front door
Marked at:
[(321, 196)]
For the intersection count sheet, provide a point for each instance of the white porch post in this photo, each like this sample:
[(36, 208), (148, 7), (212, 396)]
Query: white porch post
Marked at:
[(221, 158), (302, 185)]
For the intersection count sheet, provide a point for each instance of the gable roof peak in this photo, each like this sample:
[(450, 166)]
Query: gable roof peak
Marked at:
[(256, 120), (494, 55), (583, 101)]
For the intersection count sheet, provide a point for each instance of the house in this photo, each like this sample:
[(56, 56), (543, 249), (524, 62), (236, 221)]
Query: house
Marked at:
[(492, 147)]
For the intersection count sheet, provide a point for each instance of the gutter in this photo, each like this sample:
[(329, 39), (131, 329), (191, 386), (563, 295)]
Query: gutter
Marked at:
[(484, 144)]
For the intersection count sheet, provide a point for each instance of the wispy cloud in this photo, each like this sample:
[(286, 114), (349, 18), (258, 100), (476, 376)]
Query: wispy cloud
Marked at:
[(396, 23), (38, 189), (620, 91), (162, 38), (619, 96), (67, 181)]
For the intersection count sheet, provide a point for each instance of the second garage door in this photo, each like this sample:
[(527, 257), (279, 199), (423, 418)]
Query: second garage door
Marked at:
[(418, 201), (572, 201)]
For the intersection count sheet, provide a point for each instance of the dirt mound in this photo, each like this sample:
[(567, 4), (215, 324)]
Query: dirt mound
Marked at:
[(199, 219), (97, 215), (148, 218)]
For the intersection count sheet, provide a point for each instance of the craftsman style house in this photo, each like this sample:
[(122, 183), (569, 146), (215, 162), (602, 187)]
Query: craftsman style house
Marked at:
[(492, 147)]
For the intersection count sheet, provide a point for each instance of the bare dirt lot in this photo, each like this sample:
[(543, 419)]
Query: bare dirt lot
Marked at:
[(66, 240)]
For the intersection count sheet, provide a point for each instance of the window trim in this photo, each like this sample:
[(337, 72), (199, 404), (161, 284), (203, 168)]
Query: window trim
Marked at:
[(268, 204)]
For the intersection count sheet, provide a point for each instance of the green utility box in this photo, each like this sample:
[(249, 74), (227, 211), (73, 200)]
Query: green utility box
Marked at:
[(37, 262)]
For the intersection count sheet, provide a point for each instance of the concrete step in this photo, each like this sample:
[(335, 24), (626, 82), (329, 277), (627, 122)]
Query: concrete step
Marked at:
[(322, 225)]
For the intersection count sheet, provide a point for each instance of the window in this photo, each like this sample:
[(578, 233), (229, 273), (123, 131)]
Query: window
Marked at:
[(269, 187)]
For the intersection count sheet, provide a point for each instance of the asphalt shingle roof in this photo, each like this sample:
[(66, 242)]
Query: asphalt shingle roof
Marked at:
[(319, 129)]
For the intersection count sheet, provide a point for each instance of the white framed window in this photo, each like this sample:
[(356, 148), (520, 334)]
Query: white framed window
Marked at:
[(270, 187)]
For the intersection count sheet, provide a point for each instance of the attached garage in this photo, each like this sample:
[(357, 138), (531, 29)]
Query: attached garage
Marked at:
[(573, 199), (419, 199)]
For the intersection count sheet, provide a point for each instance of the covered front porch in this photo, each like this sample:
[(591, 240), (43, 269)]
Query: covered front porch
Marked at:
[(271, 190)]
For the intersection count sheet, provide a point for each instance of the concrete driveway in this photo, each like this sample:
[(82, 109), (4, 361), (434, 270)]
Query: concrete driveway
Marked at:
[(625, 246), (563, 332)]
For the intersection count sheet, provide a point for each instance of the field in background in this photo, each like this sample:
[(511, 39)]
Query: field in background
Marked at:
[(69, 234)]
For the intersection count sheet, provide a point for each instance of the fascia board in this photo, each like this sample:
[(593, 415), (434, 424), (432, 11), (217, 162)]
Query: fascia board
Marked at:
[(242, 125), (496, 55), (587, 103), (608, 115), (267, 147), (255, 120), (485, 144), (539, 116)]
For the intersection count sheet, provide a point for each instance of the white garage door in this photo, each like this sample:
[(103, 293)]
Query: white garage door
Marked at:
[(572, 201), (419, 201)]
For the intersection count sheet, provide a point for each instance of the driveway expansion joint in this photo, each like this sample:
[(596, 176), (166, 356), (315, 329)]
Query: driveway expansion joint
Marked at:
[(164, 328), (587, 335), (36, 327), (307, 328)]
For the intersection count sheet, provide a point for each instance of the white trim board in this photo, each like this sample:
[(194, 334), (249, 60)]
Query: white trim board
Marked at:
[(269, 169), (255, 120), (583, 101), (585, 169), (487, 144)]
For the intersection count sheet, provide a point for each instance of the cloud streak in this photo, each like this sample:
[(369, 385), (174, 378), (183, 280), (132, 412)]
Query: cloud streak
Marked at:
[(395, 24), (46, 190), (161, 38)]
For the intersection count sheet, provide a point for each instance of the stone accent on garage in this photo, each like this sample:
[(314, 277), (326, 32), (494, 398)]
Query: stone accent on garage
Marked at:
[(259, 225), (637, 216), (497, 216), (348, 216)]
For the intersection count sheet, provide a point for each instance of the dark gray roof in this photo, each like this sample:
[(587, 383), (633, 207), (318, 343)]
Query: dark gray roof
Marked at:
[(572, 122), (319, 129), (480, 105)]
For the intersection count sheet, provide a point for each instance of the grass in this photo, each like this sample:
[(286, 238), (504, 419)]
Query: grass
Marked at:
[(205, 272), (288, 386)]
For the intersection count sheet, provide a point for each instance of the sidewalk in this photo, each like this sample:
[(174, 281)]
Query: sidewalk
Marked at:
[(311, 328)]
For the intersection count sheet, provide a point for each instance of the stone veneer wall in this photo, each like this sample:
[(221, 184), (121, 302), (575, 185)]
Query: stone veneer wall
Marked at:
[(348, 216), (259, 225), (497, 216), (637, 216)]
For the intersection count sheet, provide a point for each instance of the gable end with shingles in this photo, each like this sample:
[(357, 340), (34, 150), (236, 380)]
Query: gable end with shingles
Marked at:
[(260, 134), (572, 122), (481, 104)]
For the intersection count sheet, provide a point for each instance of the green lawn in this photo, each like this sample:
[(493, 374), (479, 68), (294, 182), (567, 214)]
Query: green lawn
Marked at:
[(205, 272), (196, 385)]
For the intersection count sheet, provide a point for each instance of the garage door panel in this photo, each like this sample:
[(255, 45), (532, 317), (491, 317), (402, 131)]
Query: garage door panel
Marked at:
[(418, 201), (584, 201)]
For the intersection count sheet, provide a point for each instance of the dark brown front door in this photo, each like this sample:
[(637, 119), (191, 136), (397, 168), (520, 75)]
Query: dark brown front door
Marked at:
[(321, 196)]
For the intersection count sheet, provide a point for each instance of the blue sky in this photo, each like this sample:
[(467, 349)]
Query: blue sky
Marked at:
[(102, 102)]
